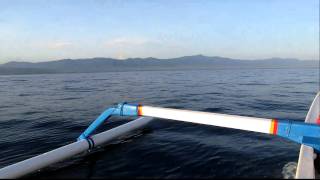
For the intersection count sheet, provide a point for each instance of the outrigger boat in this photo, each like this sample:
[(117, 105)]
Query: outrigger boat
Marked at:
[(306, 133)]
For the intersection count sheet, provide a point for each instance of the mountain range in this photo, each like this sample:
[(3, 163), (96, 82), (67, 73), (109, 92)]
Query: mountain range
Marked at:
[(101, 64)]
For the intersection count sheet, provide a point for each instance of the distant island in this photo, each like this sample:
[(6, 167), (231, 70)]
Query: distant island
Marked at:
[(101, 64)]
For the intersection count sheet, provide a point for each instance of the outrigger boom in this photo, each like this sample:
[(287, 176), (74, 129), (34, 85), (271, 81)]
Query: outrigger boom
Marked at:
[(297, 131), (305, 133)]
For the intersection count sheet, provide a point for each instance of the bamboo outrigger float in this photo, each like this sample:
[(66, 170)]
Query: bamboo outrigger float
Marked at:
[(306, 133), (28, 166)]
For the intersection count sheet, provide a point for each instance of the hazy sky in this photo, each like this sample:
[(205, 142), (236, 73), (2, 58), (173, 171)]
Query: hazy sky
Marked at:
[(36, 30)]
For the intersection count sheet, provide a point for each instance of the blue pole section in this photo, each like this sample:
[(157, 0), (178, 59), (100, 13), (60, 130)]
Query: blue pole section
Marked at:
[(93, 126), (300, 132), (123, 109)]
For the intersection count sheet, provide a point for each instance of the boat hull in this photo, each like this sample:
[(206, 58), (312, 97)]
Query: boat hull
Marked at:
[(307, 156)]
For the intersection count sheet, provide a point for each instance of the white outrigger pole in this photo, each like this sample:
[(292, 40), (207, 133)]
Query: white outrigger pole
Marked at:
[(298, 131)]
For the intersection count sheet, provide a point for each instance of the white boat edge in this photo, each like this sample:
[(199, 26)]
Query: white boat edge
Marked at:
[(305, 168)]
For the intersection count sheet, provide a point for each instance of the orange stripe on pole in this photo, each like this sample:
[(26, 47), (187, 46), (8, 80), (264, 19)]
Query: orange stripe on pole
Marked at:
[(318, 120), (275, 129), (140, 110), (274, 126)]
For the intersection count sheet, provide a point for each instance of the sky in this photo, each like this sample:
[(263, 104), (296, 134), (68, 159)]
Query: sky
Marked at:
[(41, 30)]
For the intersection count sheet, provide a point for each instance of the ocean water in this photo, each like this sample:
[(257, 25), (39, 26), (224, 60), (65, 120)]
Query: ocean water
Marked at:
[(41, 112)]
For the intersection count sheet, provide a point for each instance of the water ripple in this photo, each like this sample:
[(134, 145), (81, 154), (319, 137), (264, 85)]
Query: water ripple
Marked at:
[(41, 112)]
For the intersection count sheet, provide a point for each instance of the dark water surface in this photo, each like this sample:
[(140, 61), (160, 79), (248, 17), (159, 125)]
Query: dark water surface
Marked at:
[(41, 112)]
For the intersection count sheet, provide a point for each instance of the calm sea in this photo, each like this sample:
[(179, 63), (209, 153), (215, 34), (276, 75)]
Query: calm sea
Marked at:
[(41, 112)]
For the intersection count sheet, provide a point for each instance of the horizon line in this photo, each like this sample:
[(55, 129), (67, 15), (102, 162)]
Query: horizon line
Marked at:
[(255, 59)]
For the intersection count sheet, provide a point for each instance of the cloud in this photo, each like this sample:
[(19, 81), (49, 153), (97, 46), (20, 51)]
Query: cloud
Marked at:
[(125, 42), (125, 47), (59, 45)]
